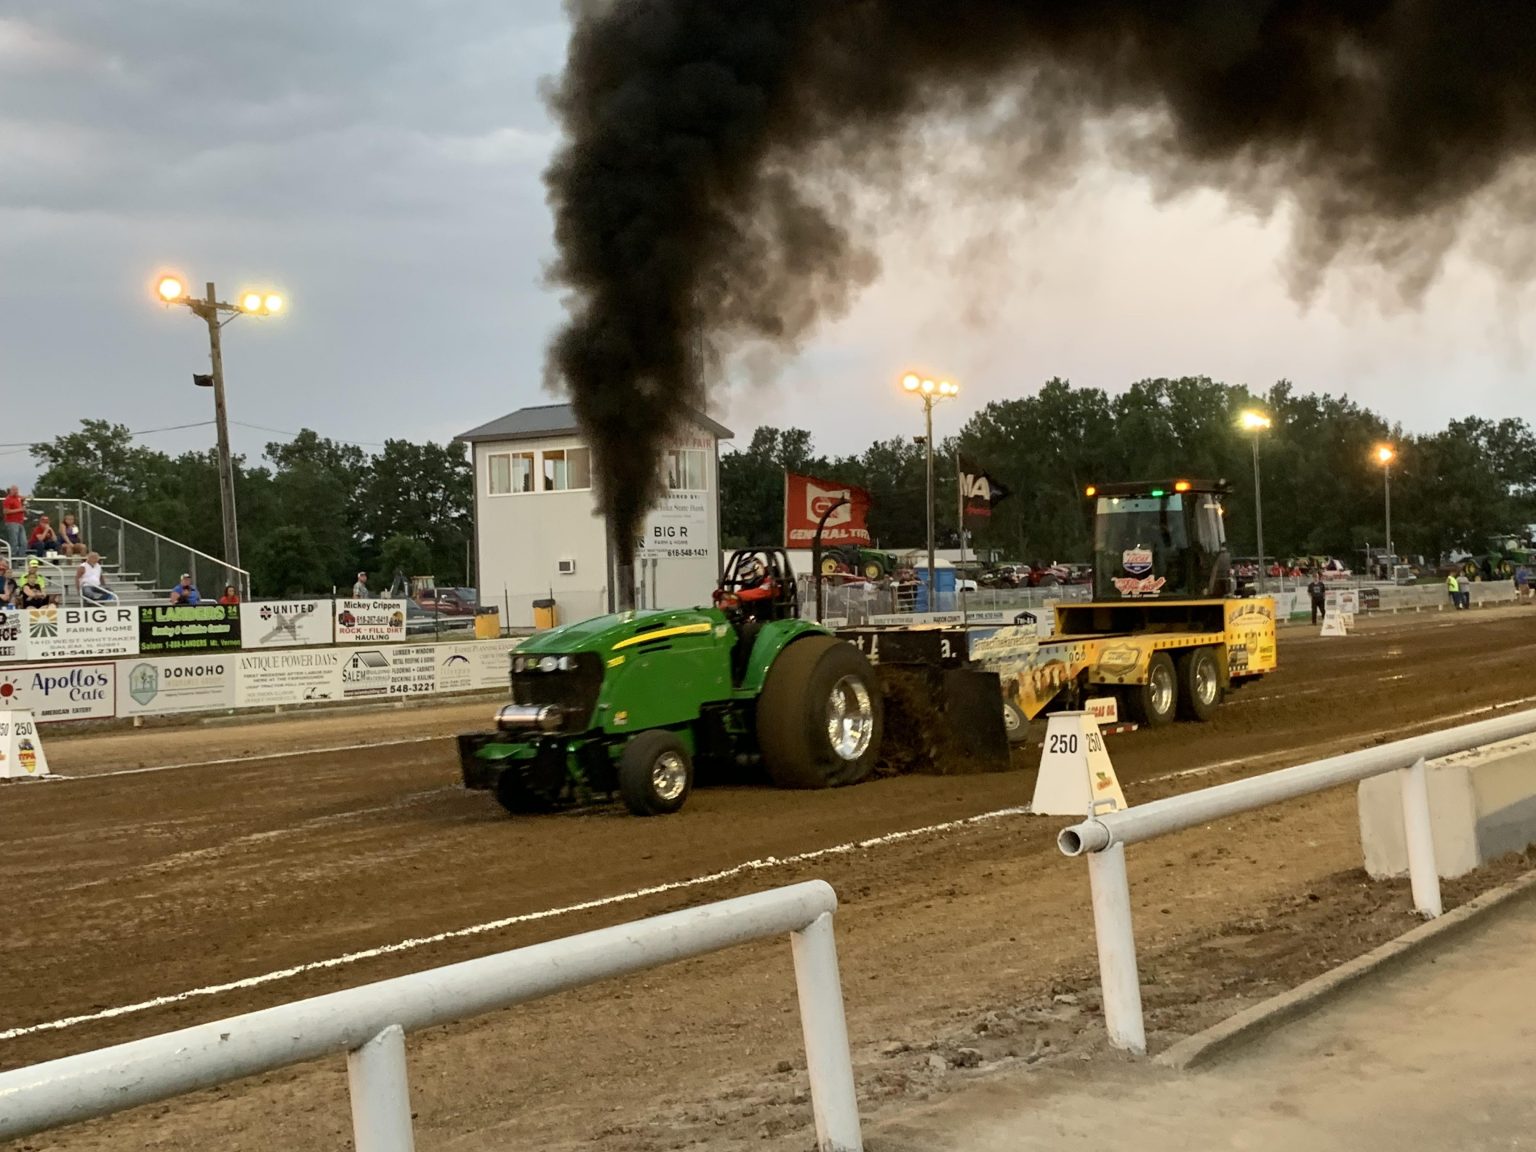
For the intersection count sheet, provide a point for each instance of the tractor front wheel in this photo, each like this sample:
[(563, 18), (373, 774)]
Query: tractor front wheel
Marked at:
[(655, 773), (820, 715)]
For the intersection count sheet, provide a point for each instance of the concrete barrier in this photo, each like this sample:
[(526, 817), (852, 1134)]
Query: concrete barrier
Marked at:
[(1482, 805)]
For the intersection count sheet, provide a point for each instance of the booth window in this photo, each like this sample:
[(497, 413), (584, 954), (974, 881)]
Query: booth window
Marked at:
[(685, 470), (567, 469), (509, 472)]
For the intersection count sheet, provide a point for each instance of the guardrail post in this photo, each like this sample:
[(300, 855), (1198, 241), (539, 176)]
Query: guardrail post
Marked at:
[(381, 1095), (1118, 978), (1418, 833), (827, 1060)]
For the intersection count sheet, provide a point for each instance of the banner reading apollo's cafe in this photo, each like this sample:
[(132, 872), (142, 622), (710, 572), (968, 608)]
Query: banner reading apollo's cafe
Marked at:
[(808, 498)]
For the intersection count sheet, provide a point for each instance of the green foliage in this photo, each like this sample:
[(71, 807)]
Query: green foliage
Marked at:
[(404, 554), (287, 563), (1322, 488), (317, 512)]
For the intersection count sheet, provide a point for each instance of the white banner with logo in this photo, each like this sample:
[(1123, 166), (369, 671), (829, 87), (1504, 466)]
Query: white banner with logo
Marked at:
[(61, 691), (287, 624), (370, 621), (157, 685), (69, 633), (13, 636), (266, 679), (467, 667), (375, 672)]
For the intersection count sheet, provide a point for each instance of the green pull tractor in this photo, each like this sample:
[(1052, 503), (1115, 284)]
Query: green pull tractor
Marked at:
[(626, 704)]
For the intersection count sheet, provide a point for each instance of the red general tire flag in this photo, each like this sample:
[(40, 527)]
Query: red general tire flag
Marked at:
[(807, 499)]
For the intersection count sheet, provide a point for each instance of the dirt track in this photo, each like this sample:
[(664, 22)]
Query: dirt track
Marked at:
[(123, 888)]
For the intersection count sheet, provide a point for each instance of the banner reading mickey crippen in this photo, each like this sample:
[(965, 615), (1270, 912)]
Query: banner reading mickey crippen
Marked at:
[(807, 499)]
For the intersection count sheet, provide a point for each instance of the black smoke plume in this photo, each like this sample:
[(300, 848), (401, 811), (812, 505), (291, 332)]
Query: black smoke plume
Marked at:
[(697, 198)]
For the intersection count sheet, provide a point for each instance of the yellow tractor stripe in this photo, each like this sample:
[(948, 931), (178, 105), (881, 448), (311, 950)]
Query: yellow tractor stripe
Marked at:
[(664, 634)]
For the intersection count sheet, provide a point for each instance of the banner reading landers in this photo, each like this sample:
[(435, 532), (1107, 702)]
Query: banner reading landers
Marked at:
[(189, 628), (807, 499)]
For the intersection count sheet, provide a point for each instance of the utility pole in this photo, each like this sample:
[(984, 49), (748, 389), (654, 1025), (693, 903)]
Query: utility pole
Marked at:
[(210, 312), (209, 308), (933, 575)]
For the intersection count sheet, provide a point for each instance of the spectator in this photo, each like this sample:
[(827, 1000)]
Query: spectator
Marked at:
[(71, 543), (90, 582), (360, 589), (15, 521), (186, 592), (1453, 586), (33, 590), (1523, 583), (231, 596), (1317, 591), (7, 585), (43, 539)]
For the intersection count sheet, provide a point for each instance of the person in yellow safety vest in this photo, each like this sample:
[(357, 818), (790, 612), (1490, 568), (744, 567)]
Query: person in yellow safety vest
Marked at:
[(1453, 586)]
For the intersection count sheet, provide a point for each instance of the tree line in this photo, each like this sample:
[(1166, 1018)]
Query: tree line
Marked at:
[(312, 514), (1322, 486)]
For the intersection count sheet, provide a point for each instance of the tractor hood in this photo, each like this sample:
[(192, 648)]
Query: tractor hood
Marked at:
[(622, 630)]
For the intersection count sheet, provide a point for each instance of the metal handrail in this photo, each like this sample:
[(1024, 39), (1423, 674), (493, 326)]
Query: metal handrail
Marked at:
[(369, 1023), (225, 564), (1103, 839)]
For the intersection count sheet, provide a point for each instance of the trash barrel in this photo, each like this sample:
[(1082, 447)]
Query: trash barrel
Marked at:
[(543, 614), (488, 624)]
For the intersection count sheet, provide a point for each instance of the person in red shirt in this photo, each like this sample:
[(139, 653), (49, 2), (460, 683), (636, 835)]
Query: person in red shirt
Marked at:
[(43, 539), (15, 520), (231, 596)]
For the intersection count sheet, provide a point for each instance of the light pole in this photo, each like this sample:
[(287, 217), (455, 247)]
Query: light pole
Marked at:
[(930, 392), (1385, 454), (209, 308), (1255, 422)]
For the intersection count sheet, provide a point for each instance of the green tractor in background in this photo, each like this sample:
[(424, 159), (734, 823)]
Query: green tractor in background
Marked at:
[(869, 563), (1504, 555), (625, 705)]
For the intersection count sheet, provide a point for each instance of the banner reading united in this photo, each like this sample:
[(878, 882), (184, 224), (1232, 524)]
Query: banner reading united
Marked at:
[(807, 499)]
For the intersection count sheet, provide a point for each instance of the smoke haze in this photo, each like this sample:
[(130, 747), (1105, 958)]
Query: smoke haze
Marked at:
[(715, 150)]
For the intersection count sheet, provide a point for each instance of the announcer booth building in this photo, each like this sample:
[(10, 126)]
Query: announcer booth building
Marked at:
[(539, 534)]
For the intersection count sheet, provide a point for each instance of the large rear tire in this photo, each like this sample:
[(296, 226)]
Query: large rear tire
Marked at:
[(1199, 683), (655, 773), (820, 716), (1155, 703)]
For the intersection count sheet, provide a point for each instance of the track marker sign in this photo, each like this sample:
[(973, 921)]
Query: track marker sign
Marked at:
[(1076, 777), (21, 748), (1334, 625)]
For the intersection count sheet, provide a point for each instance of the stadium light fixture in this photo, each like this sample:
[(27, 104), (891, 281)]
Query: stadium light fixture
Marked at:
[(216, 313), (1252, 420), (931, 392)]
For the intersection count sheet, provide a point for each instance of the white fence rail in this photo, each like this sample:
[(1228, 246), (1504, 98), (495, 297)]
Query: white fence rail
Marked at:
[(1103, 839), (369, 1023)]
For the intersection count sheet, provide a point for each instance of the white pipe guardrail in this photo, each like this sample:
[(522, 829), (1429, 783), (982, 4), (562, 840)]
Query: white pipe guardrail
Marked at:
[(369, 1023), (1103, 840)]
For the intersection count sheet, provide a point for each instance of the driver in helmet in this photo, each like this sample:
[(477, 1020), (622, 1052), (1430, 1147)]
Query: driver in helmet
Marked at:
[(755, 584)]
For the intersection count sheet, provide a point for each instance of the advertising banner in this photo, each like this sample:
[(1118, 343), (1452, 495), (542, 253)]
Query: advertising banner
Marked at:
[(370, 621), (807, 500), (677, 526), (468, 667), (265, 679), (189, 628), (13, 637), (287, 624), (980, 492), (375, 672), (54, 692), (156, 686), (73, 633)]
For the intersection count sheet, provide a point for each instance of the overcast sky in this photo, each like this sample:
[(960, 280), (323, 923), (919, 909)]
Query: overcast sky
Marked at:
[(380, 163)]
